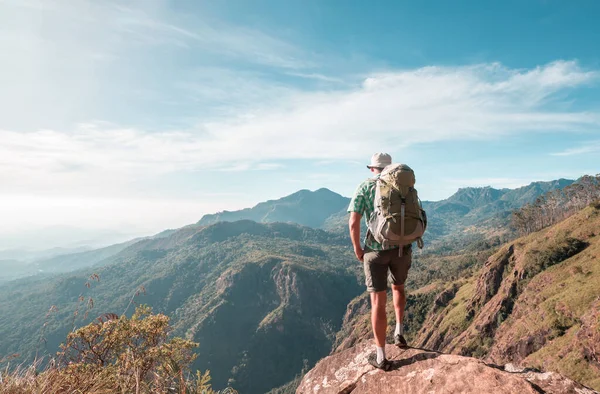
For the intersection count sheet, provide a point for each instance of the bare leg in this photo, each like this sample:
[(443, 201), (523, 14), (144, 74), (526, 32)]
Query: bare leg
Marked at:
[(399, 302), (378, 317)]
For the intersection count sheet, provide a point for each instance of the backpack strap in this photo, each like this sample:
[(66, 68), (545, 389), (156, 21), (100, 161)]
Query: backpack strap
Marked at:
[(402, 214)]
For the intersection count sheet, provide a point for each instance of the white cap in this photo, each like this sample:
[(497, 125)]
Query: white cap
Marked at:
[(380, 160)]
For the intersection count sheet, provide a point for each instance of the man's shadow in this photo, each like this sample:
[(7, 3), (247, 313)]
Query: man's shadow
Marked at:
[(427, 355)]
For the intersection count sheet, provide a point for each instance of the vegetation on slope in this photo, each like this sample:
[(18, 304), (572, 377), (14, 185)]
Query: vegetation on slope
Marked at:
[(557, 205), (534, 302), (246, 292), (116, 354)]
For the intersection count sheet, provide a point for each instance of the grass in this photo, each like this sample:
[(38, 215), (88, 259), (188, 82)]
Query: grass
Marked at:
[(561, 295), (456, 317), (561, 356)]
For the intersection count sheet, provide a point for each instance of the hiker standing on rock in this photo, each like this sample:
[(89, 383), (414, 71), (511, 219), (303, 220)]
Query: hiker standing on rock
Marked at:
[(394, 219)]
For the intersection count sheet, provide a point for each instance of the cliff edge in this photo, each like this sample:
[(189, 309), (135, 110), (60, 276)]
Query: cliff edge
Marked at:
[(422, 371)]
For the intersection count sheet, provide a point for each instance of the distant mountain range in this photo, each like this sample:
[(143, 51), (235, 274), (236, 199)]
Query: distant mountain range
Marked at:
[(45, 242), (481, 209), (478, 203), (248, 285), (326, 209), (479, 214), (60, 260)]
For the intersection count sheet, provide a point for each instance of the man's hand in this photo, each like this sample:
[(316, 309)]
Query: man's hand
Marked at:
[(360, 254), (354, 225)]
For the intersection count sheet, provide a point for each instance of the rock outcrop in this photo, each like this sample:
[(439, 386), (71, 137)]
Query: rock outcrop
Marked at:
[(423, 371)]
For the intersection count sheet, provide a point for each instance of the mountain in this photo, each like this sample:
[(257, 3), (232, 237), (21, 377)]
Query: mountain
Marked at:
[(475, 204), (64, 261), (247, 292), (60, 260), (74, 261), (528, 194), (472, 197), (533, 302), (470, 215), (477, 197), (304, 207), (479, 214)]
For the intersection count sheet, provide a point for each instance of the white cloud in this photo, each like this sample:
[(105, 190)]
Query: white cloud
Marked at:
[(269, 166), (590, 147), (318, 77), (395, 109), (220, 166), (70, 62)]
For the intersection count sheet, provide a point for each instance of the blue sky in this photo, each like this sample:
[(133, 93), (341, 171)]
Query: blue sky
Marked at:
[(143, 115)]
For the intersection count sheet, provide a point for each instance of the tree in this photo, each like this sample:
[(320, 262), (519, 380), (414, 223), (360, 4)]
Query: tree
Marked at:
[(557, 205)]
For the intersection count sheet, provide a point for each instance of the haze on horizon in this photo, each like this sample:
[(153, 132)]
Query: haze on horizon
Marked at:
[(133, 119)]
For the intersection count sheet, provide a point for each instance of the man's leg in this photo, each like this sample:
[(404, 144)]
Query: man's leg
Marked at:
[(399, 297), (399, 271), (376, 269), (378, 317)]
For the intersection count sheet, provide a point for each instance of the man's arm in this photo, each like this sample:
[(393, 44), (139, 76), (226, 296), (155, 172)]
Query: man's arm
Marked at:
[(354, 224)]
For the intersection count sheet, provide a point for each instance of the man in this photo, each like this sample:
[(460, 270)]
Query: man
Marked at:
[(377, 261)]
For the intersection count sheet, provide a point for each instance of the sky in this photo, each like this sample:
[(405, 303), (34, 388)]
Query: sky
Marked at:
[(136, 116)]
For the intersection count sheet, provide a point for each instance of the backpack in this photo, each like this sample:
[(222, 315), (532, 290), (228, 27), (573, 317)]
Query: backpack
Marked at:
[(398, 217)]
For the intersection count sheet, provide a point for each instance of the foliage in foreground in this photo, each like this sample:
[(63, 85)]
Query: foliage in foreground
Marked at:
[(115, 355)]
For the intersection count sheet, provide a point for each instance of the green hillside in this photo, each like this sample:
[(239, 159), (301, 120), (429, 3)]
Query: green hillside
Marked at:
[(260, 299)]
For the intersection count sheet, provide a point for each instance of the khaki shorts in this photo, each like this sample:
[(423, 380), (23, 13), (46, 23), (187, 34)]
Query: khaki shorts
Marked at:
[(377, 264)]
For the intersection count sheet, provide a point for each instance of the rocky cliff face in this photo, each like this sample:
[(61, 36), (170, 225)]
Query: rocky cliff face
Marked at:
[(423, 371), (263, 311), (535, 302)]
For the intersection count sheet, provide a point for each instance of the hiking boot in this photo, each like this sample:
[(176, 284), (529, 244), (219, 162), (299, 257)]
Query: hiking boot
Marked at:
[(400, 341), (385, 364)]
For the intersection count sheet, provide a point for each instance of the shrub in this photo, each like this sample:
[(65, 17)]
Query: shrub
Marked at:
[(116, 354)]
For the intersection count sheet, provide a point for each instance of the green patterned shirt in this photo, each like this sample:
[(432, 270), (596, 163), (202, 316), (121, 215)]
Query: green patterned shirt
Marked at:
[(363, 203)]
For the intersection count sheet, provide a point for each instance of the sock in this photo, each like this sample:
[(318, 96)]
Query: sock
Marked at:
[(380, 354), (399, 329)]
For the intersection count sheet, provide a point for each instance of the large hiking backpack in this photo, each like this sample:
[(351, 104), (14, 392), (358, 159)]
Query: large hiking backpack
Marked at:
[(398, 217)]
